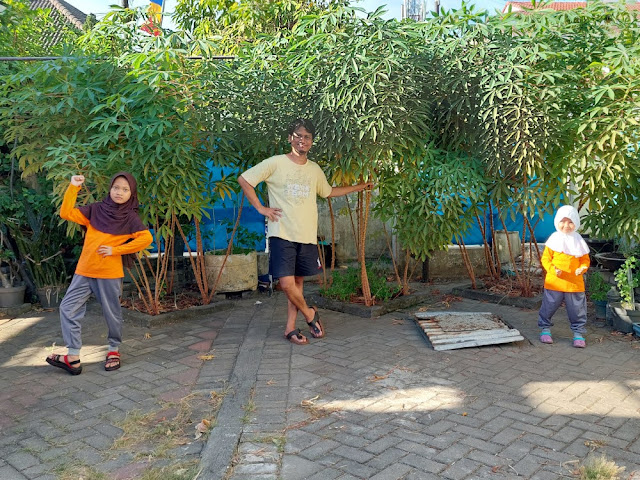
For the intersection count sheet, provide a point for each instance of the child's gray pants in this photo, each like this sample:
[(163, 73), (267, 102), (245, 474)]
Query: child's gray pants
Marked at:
[(576, 303), (74, 306)]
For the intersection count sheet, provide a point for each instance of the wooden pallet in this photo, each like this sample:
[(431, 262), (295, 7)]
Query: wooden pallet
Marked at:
[(452, 330)]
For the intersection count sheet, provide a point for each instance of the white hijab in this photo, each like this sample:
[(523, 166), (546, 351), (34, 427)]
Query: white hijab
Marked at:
[(571, 244)]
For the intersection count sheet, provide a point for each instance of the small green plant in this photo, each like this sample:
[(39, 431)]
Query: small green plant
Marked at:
[(598, 287), (347, 284), (10, 273), (244, 240), (626, 281), (600, 468)]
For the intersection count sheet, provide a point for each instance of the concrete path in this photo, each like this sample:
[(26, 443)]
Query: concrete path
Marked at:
[(370, 401)]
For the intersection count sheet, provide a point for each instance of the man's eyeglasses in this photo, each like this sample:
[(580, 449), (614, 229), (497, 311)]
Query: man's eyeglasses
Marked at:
[(307, 138)]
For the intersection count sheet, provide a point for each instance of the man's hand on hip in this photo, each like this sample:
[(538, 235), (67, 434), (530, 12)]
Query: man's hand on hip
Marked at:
[(272, 214)]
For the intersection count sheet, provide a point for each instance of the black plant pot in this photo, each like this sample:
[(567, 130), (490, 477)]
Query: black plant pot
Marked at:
[(611, 261), (624, 319)]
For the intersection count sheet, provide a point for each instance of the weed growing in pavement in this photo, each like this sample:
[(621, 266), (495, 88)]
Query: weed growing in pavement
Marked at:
[(155, 435), (179, 471), (249, 408), (278, 440), (165, 428), (600, 468), (78, 470)]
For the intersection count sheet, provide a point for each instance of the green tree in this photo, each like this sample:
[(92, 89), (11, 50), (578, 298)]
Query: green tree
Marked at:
[(139, 110), (237, 22)]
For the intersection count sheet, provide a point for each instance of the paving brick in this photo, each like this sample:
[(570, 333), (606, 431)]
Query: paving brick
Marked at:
[(527, 466), (355, 454), (392, 472), (7, 472), (382, 444), (423, 464), (452, 454), (460, 469), (386, 458), (21, 460)]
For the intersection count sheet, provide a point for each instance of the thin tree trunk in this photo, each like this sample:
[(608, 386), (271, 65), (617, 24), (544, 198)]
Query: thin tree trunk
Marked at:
[(467, 261), (229, 248)]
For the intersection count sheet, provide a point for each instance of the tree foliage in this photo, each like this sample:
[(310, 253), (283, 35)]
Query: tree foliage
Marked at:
[(237, 22)]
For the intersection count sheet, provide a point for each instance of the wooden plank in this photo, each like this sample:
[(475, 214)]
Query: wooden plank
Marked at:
[(476, 343), (451, 330)]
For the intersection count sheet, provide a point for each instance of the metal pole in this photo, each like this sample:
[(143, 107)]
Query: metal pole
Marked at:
[(37, 59), (125, 3)]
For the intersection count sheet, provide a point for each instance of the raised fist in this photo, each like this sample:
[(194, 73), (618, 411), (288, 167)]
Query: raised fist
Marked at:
[(77, 180)]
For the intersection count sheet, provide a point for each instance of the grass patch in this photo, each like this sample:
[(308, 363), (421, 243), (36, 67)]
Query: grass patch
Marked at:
[(153, 434), (347, 284), (600, 468), (249, 407), (278, 440), (77, 470), (179, 471)]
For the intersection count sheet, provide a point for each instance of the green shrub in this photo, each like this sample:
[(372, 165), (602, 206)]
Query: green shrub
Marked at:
[(347, 284), (598, 287)]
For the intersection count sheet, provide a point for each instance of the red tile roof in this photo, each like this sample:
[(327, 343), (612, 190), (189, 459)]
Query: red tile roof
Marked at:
[(558, 6)]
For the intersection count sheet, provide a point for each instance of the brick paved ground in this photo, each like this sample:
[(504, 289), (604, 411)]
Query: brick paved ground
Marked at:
[(372, 400)]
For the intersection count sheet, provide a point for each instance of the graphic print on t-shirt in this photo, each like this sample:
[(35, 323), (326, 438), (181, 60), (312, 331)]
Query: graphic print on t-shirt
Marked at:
[(297, 187)]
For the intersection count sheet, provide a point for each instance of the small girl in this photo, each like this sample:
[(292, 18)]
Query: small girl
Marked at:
[(113, 229), (565, 259)]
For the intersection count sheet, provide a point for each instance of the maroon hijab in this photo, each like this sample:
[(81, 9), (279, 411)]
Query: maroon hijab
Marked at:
[(109, 217)]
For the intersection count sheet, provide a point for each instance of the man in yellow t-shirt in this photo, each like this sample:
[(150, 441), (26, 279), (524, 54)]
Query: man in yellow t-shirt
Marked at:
[(293, 182)]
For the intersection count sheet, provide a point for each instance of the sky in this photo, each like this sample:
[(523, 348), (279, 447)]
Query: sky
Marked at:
[(393, 7)]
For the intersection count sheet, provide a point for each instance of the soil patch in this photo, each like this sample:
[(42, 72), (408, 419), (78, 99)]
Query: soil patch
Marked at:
[(173, 308), (419, 294), (504, 291)]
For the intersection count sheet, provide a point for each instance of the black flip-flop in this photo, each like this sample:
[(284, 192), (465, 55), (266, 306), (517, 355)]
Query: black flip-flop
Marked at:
[(66, 365), (313, 326), (296, 337)]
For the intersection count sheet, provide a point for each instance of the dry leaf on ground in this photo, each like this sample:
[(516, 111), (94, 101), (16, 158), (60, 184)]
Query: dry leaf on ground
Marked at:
[(202, 427), (309, 402)]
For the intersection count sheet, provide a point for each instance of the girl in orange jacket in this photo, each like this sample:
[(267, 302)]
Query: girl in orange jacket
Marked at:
[(565, 260), (114, 231)]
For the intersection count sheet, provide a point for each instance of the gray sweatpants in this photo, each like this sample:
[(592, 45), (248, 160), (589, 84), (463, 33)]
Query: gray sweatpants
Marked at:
[(576, 303), (74, 306)]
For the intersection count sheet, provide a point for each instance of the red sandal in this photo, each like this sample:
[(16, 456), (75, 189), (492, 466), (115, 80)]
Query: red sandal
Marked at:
[(114, 359), (54, 360)]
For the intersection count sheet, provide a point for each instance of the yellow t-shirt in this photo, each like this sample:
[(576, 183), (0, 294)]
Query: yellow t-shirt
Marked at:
[(294, 189)]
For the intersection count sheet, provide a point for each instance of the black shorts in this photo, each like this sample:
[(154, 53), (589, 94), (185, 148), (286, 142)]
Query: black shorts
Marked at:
[(293, 259)]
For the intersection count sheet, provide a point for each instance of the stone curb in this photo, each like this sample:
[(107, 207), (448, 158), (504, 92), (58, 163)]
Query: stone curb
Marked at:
[(533, 303), (146, 320)]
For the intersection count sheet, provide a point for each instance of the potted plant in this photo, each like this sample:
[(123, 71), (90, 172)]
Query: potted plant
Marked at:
[(11, 289), (627, 311), (598, 288), (240, 267)]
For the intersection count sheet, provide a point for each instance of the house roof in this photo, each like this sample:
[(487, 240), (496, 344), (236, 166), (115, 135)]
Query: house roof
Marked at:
[(558, 6), (63, 15)]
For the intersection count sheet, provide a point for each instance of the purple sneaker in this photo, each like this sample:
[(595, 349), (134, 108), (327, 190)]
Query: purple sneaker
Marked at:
[(579, 342), (545, 337)]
